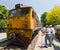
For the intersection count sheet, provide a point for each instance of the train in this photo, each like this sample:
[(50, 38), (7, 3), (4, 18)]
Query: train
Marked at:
[(22, 23), (57, 29)]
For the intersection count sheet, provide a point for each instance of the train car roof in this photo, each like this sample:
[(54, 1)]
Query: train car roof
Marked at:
[(25, 7), (21, 7), (57, 26)]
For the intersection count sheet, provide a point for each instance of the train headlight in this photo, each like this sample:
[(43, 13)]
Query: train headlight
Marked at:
[(9, 25), (22, 31), (25, 25)]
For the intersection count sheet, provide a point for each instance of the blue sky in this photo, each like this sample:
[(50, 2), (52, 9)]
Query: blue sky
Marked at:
[(39, 6)]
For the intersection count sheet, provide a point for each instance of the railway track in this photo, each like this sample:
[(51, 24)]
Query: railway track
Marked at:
[(12, 48), (6, 45)]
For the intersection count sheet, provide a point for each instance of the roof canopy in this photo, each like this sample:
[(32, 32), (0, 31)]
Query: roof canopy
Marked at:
[(57, 26)]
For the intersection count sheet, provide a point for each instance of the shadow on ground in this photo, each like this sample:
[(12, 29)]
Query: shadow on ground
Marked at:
[(56, 47), (57, 40)]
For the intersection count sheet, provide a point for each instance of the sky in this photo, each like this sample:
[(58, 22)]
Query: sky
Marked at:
[(39, 6)]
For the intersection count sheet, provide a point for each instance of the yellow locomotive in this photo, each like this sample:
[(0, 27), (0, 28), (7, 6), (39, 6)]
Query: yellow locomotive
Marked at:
[(21, 24)]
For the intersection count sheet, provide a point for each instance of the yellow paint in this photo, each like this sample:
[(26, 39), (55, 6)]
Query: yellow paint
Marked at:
[(19, 22), (58, 32)]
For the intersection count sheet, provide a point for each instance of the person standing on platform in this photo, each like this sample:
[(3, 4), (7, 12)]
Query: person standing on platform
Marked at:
[(43, 29), (47, 36), (52, 34)]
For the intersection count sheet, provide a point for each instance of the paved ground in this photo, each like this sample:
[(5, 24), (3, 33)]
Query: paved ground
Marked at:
[(40, 42), (2, 37)]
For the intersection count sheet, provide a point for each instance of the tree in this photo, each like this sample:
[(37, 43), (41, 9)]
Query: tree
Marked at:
[(43, 18), (3, 12), (53, 16), (3, 16)]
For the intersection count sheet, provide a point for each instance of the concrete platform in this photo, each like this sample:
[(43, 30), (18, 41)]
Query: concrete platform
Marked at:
[(3, 37), (40, 42)]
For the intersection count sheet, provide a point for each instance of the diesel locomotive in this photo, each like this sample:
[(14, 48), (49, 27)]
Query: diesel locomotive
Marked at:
[(22, 22)]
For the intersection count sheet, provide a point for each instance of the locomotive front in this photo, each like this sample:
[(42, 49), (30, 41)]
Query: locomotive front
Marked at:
[(20, 25)]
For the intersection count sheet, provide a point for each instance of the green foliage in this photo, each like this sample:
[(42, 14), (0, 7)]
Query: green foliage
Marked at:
[(43, 18), (3, 16), (3, 23), (53, 16)]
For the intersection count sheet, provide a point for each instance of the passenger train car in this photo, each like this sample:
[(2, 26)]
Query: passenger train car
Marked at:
[(22, 22), (57, 29)]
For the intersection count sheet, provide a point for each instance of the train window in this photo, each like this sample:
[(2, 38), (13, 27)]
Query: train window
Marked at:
[(12, 13), (23, 12), (33, 14)]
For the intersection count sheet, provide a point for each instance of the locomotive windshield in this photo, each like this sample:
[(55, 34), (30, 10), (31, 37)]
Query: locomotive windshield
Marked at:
[(12, 13), (19, 12), (23, 12)]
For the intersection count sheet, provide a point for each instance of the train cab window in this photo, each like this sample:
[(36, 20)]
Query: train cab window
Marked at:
[(33, 14), (23, 12), (12, 13)]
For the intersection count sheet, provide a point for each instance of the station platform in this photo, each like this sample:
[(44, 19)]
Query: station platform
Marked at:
[(3, 37), (41, 41)]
